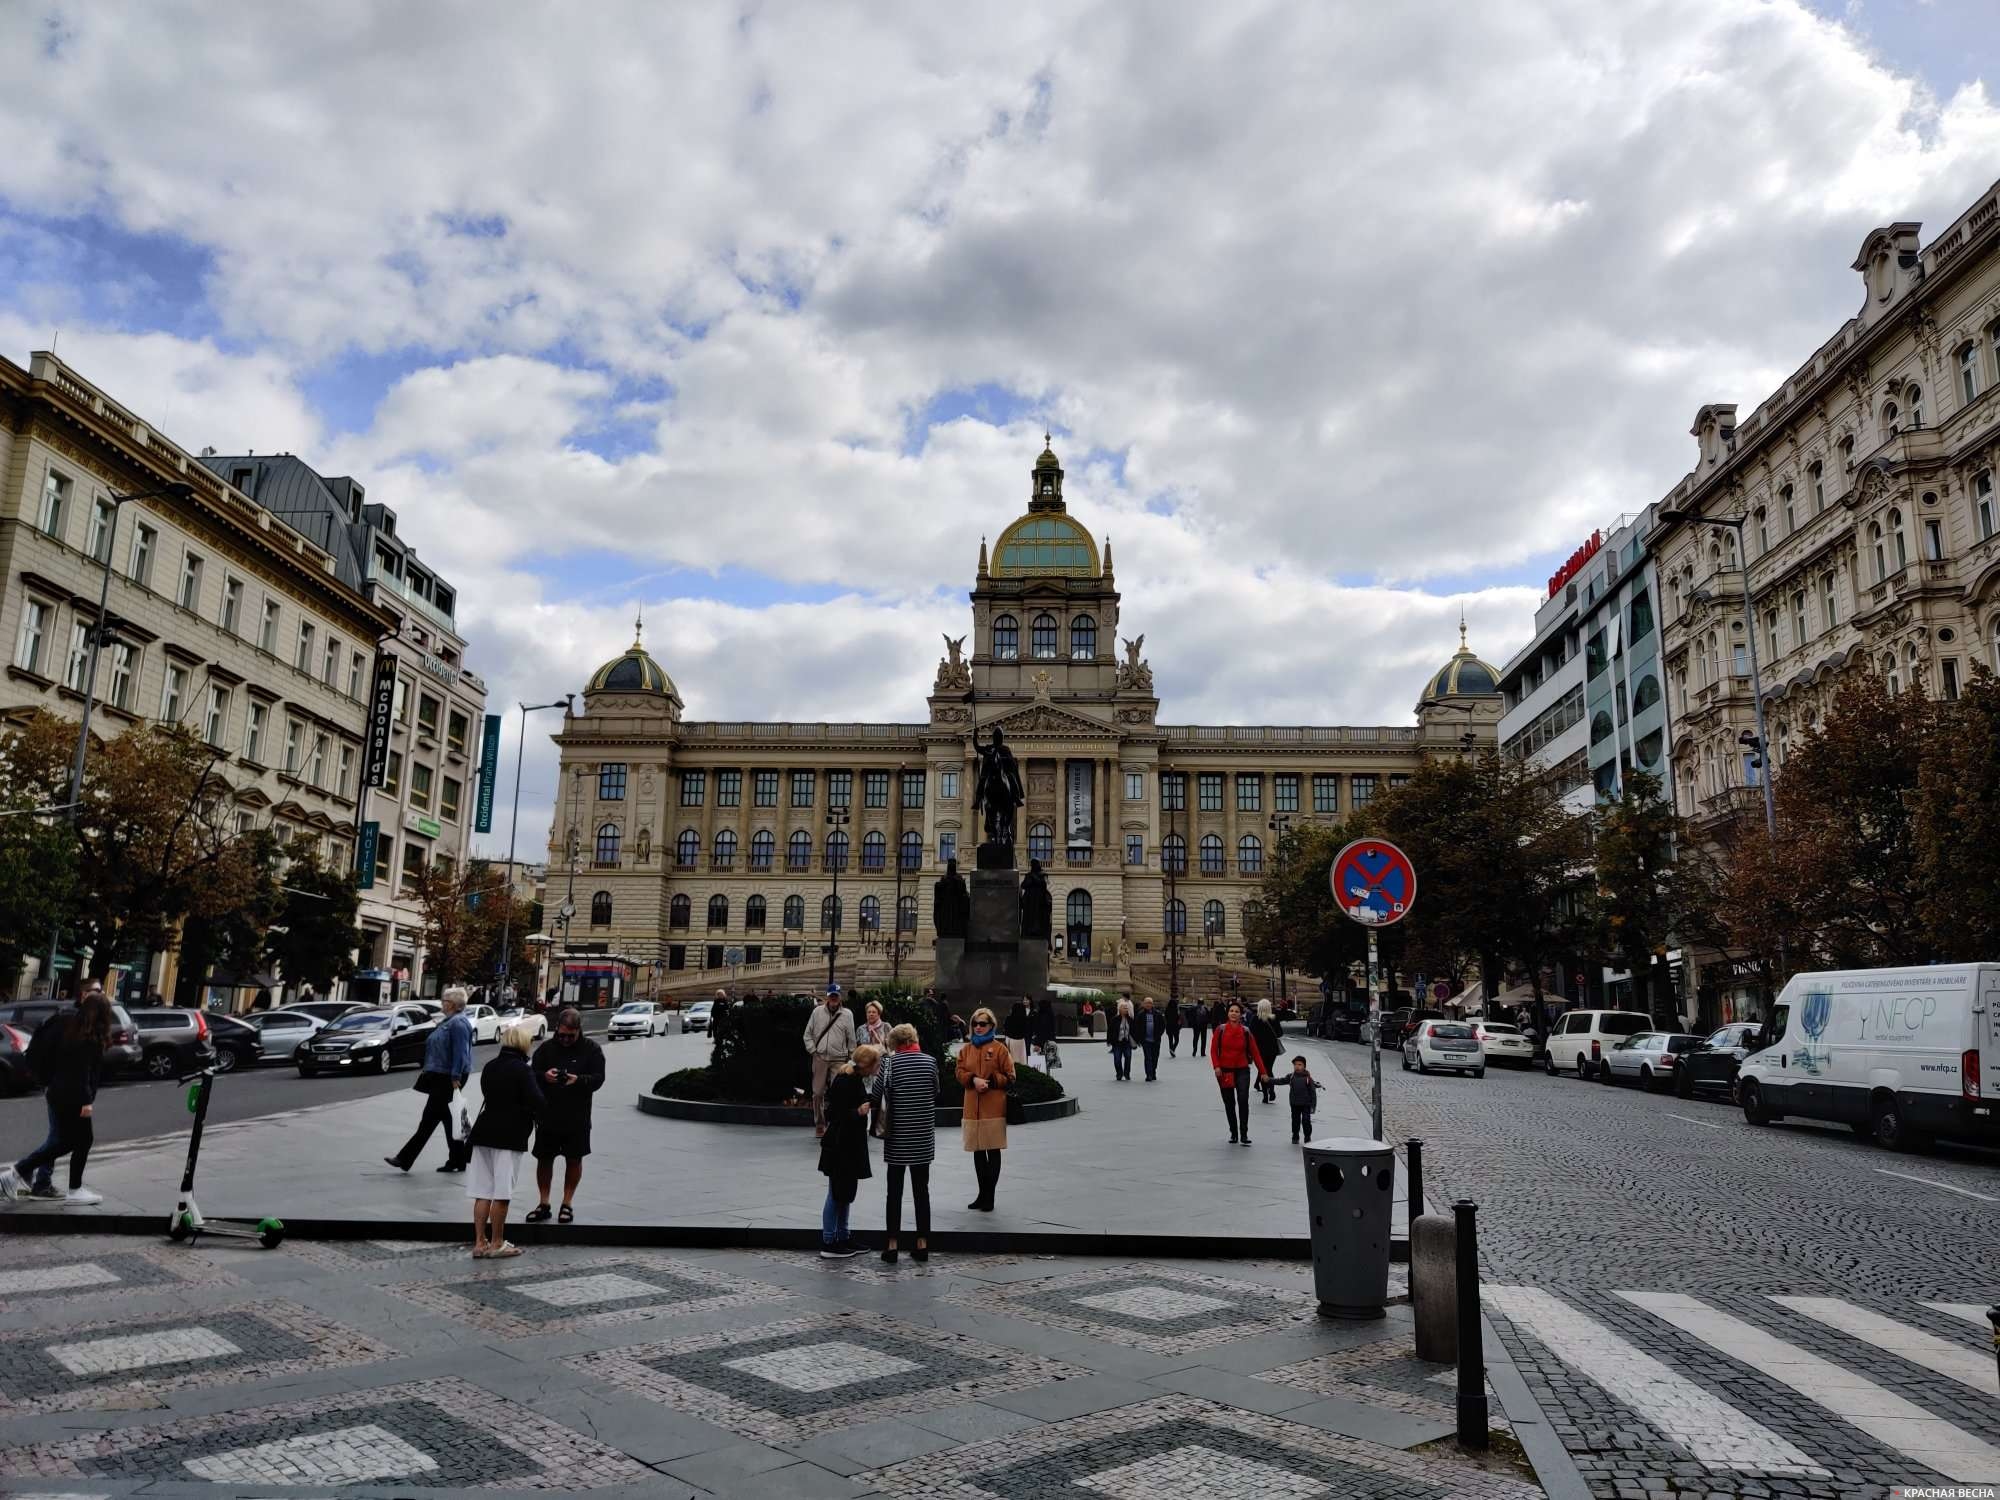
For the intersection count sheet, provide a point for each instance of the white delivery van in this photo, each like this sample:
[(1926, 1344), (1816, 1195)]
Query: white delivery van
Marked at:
[(1899, 1054)]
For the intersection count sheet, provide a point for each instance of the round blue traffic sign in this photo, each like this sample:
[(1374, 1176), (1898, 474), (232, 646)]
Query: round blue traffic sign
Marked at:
[(1374, 882)]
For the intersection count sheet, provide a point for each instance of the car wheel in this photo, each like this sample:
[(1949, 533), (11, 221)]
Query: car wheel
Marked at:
[(1478, 1072), (1406, 1062), (1645, 1078), (382, 1064), (1422, 1066), (1684, 1085), (1548, 1065), (225, 1059), (160, 1063), (305, 1072), (1753, 1104), (1892, 1132), (1604, 1074), (1582, 1069)]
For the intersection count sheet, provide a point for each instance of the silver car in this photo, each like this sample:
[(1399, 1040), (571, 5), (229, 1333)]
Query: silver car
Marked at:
[(284, 1032), (1647, 1058)]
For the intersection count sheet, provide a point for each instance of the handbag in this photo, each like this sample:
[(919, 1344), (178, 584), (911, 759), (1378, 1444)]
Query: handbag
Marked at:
[(1017, 1112)]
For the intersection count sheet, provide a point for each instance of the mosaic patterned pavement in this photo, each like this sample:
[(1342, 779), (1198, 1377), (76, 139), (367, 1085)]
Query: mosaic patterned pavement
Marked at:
[(529, 1295), (37, 1269), (1161, 1311), (1385, 1374)]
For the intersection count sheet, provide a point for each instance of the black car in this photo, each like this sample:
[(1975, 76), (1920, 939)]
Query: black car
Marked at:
[(367, 1041), (326, 1010), (1389, 1027), (237, 1043), (14, 1075), (174, 1041), (1711, 1067), (1412, 1019)]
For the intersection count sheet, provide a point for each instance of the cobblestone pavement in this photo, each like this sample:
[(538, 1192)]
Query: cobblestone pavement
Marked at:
[(1705, 1307), (377, 1370)]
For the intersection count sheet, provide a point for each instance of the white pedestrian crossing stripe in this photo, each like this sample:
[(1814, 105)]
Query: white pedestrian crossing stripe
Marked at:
[(1883, 1415), (1913, 1344), (1711, 1429), (1972, 1312)]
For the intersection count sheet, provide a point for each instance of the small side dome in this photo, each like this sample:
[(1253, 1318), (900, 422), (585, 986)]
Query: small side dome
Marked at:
[(634, 672), (1464, 676)]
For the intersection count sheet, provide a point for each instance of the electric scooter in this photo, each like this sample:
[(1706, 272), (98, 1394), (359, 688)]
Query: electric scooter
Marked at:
[(187, 1223)]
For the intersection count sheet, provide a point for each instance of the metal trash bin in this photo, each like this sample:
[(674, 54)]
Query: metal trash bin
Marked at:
[(1350, 1196)]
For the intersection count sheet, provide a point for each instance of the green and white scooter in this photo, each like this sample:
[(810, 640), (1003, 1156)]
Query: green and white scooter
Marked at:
[(187, 1224)]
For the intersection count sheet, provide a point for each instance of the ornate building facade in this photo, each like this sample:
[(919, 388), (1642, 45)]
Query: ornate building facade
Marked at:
[(703, 846)]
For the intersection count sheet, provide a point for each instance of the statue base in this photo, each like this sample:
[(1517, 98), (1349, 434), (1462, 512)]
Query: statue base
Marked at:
[(992, 965), (992, 856)]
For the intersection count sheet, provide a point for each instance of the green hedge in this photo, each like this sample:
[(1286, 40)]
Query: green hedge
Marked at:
[(759, 1054), (687, 1083)]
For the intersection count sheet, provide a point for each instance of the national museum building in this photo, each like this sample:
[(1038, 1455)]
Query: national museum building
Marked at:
[(706, 846)]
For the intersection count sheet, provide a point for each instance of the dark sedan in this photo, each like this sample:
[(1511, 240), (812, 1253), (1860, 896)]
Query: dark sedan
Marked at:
[(365, 1041), (1711, 1067), (237, 1044)]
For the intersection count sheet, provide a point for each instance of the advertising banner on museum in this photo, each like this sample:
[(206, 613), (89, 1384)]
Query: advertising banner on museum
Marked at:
[(1077, 801)]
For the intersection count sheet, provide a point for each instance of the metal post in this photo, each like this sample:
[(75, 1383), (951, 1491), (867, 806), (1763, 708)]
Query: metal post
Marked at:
[(1993, 1317), (513, 828), (1174, 939), (1415, 1152), (1375, 1039), (1472, 1417), (896, 922)]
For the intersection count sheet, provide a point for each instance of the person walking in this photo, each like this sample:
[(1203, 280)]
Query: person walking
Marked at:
[(1045, 1026), (829, 1043), (1305, 1098), (874, 1033), (843, 1150), (910, 1092), (447, 1065), (1118, 1036), (1017, 1030), (510, 1103), (1270, 1046), (1231, 1056), (1198, 1024), (569, 1068), (1149, 1029), (65, 1054), (1173, 1026), (985, 1072)]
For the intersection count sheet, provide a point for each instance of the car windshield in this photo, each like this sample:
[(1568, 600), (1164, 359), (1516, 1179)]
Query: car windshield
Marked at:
[(1622, 1022), (361, 1020), (1450, 1029), (636, 1008), (701, 1005), (1499, 1028)]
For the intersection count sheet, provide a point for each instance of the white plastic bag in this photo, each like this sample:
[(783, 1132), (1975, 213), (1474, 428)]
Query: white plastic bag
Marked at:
[(464, 1110)]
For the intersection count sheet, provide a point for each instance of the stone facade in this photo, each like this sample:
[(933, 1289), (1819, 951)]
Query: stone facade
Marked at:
[(691, 838)]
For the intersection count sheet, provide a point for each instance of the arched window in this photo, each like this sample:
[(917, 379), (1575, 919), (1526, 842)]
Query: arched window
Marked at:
[(906, 914), (1042, 637), (913, 850), (763, 849), (1213, 924), (799, 851), (687, 849), (1173, 854), (607, 843), (1176, 918), (1995, 632), (1899, 547), (1968, 372), (871, 913), (1816, 477), (1714, 657), (1082, 638), (1250, 855), (1915, 397), (829, 914), (836, 849), (1762, 524), (1892, 419), (600, 909), (1042, 843), (874, 850), (795, 913), (1912, 672), (753, 914), (1788, 503), (1077, 909), (718, 911), (1006, 638), (1878, 551), (1890, 674), (679, 912), (725, 847), (1211, 854)]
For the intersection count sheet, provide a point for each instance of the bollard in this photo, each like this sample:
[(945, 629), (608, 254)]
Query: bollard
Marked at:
[(1415, 1152), (1993, 1317), (1472, 1417), (1433, 1288)]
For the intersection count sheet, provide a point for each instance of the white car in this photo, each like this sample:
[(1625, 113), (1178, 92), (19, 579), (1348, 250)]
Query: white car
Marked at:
[(485, 1022), (1452, 1046), (698, 1015), (537, 1024), (638, 1018), (1580, 1039), (1504, 1042)]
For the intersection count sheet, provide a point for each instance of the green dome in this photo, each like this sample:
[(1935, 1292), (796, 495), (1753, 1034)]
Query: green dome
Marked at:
[(1047, 544)]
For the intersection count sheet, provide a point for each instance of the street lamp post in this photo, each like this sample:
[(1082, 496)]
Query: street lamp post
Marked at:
[(505, 975), (100, 632), (896, 923), (836, 818), (1176, 855), (1280, 825)]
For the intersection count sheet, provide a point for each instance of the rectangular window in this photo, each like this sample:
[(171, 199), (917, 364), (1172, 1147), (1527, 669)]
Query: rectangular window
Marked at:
[(1739, 660), (103, 519), (79, 656), (765, 788), (456, 725), (947, 846), (232, 604), (728, 788), (611, 781), (190, 594), (413, 864), (1135, 849), (1209, 786), (1173, 791), (1398, 780), (401, 708), (140, 571), (694, 788), (802, 788), (316, 766), (1798, 620), (1830, 601), (1249, 791), (1135, 786), (1363, 788), (420, 787), (948, 785), (1982, 495), (171, 692), (253, 732), (449, 796), (1933, 540), (1771, 633), (55, 504), (840, 789), (385, 860), (1949, 667), (1285, 792), (1595, 656), (217, 716), (355, 665), (303, 657), (344, 779), (267, 629), (1326, 792), (913, 790), (428, 710), (875, 789), (392, 775), (121, 676)]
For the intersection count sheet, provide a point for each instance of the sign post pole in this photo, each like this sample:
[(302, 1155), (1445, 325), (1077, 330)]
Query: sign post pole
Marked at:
[(1375, 884), (1375, 1036)]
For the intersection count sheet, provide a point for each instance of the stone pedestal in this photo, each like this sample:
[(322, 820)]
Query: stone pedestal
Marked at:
[(992, 965)]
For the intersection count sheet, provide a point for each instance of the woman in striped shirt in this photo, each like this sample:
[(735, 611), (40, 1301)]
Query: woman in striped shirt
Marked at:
[(909, 1094)]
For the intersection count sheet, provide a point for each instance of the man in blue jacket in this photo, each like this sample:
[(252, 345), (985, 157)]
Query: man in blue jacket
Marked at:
[(447, 1064), (1149, 1027)]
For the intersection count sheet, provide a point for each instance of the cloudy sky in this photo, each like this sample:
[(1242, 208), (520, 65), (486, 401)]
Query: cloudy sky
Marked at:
[(1346, 318)]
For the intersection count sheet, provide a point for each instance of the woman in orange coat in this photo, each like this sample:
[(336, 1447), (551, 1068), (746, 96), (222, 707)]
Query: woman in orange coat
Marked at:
[(986, 1069)]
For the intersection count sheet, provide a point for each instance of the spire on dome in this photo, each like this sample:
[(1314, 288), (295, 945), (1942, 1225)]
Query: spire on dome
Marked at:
[(1461, 628), (639, 630)]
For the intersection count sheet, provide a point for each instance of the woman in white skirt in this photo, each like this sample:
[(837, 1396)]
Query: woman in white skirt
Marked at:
[(510, 1103)]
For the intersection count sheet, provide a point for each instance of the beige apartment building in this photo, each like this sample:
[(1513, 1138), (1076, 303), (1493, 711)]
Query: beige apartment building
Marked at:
[(1863, 490), (688, 844), (230, 620)]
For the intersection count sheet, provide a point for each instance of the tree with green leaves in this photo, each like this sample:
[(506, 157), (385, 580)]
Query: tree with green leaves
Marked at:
[(314, 935), (1957, 831), (1656, 888), (231, 939), (1293, 918), (37, 874)]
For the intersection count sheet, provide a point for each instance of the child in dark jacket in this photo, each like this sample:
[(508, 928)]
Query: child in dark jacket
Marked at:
[(1302, 1084)]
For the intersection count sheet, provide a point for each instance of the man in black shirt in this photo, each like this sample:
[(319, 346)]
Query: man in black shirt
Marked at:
[(570, 1068)]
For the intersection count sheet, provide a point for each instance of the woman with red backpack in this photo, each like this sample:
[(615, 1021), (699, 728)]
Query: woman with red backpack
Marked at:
[(1232, 1053)]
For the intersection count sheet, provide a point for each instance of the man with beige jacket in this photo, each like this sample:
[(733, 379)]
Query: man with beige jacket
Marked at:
[(829, 1042)]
